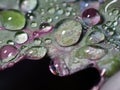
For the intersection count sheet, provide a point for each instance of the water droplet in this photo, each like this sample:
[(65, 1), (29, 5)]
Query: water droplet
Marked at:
[(91, 52), (91, 16), (108, 23), (115, 23), (51, 10), (60, 11), (13, 20), (68, 32), (42, 11), (95, 37), (8, 52), (30, 16), (10, 42), (84, 4), (37, 42), (49, 20), (48, 41), (34, 24), (44, 25), (36, 52), (104, 27), (21, 37), (67, 13), (56, 17), (69, 9), (115, 11), (64, 4), (28, 5)]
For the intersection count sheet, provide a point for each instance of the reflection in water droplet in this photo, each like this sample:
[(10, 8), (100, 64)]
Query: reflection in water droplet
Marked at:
[(21, 37), (36, 52), (28, 5), (8, 52), (10, 42), (44, 25)]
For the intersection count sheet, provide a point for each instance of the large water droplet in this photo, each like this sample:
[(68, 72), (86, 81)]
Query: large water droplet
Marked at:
[(91, 52), (12, 20), (28, 5), (8, 52), (36, 52), (91, 16), (21, 37), (68, 32)]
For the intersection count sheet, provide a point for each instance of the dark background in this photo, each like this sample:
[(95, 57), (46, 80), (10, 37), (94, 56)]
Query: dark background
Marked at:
[(35, 75)]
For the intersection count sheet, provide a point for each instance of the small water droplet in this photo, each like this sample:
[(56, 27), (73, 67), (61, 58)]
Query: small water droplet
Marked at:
[(37, 42), (42, 11), (28, 5), (34, 24), (69, 9), (84, 4), (10, 42), (96, 37), (104, 27), (36, 52), (60, 11), (115, 23), (51, 4), (49, 20), (30, 16), (67, 13), (44, 25), (56, 17), (91, 16), (21, 37), (108, 23), (48, 41), (8, 52), (115, 11), (51, 10), (64, 4)]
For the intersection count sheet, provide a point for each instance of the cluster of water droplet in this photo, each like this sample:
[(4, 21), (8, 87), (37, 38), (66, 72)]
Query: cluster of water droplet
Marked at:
[(71, 34)]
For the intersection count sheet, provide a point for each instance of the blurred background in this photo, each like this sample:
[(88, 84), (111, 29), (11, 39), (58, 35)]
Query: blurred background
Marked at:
[(35, 75)]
